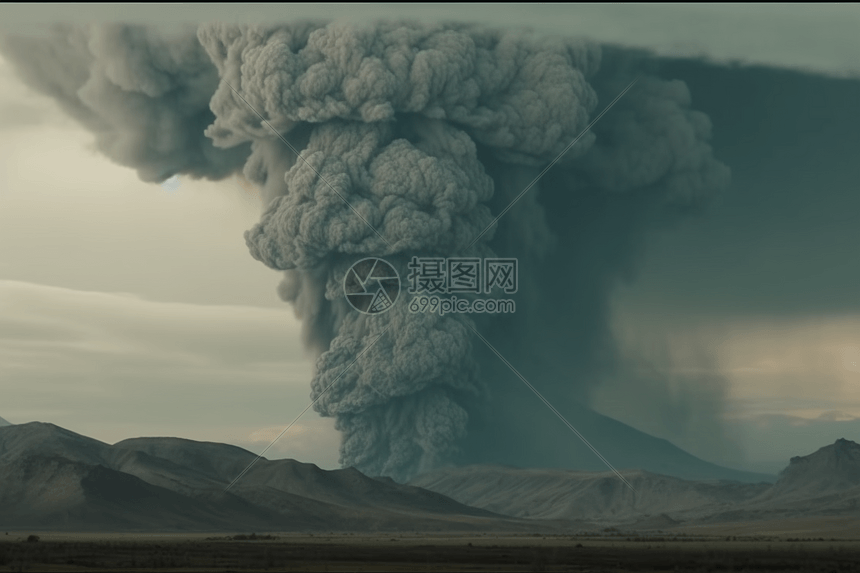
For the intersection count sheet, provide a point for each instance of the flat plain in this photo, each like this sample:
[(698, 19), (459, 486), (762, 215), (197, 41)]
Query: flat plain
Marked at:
[(608, 550)]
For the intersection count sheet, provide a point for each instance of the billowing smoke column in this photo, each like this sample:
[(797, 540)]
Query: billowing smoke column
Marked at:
[(427, 132)]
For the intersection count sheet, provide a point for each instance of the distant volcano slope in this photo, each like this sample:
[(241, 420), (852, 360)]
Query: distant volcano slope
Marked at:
[(624, 446)]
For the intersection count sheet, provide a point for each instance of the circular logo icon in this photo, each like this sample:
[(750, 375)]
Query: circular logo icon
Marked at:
[(371, 286)]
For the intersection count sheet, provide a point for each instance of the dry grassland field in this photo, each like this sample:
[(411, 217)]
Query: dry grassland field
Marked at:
[(591, 551)]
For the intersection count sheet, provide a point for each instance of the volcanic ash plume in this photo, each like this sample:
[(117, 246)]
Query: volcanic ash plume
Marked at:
[(396, 116), (411, 138)]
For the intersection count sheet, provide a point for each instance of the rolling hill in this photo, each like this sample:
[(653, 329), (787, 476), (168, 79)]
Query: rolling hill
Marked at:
[(56, 479), (826, 482)]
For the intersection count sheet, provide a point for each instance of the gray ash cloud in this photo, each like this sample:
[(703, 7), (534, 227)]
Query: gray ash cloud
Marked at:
[(427, 131)]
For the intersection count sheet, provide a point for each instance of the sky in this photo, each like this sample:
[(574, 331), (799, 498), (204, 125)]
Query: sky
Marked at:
[(131, 309)]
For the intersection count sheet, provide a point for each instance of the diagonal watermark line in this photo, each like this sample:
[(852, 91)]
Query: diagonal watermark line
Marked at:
[(294, 150), (554, 411), (308, 407), (554, 161)]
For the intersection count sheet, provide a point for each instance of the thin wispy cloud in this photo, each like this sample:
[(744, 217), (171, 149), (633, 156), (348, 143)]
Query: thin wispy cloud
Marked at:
[(104, 363)]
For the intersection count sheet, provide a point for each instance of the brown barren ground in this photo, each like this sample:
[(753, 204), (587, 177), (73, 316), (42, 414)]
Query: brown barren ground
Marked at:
[(596, 551)]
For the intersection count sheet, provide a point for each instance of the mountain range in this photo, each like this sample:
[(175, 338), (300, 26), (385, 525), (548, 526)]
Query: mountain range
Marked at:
[(824, 483), (54, 479)]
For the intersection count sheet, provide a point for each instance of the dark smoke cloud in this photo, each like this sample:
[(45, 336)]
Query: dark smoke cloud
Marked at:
[(426, 131)]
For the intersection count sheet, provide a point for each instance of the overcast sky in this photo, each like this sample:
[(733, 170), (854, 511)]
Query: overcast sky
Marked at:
[(128, 309)]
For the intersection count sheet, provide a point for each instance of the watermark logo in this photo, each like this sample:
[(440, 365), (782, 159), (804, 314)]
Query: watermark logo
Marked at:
[(470, 276), (371, 286), (453, 275), (443, 306)]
